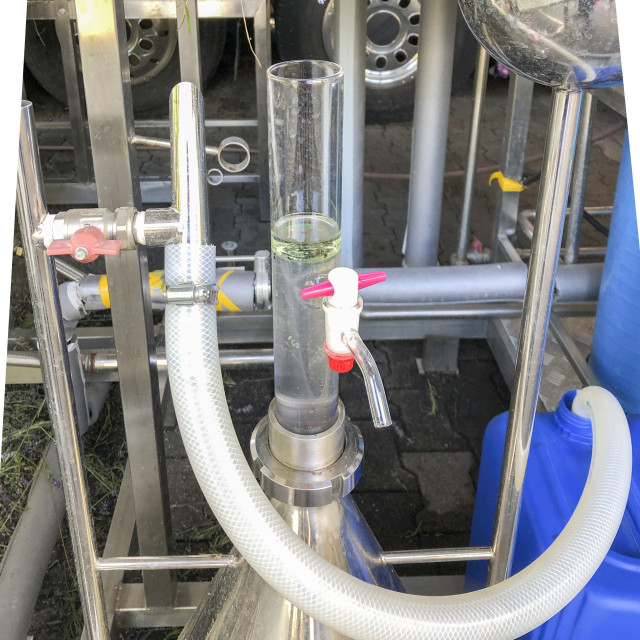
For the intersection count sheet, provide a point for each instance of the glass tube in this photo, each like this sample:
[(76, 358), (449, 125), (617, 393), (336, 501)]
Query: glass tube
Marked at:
[(305, 158)]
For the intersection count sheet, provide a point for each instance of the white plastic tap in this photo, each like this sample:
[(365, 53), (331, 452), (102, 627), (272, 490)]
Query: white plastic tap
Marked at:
[(342, 307)]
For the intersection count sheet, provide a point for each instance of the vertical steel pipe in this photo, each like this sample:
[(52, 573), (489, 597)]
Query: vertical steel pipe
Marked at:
[(351, 43), (559, 150), (56, 375), (430, 123), (579, 179), (480, 88), (188, 162)]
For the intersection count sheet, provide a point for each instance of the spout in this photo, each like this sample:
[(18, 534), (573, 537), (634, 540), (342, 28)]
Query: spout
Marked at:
[(372, 380)]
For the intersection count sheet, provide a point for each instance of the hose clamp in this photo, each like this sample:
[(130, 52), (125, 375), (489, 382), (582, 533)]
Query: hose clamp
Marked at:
[(190, 293)]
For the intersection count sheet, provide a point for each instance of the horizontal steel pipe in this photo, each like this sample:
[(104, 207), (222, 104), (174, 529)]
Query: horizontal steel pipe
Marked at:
[(106, 361), (155, 563), (425, 556), (499, 282)]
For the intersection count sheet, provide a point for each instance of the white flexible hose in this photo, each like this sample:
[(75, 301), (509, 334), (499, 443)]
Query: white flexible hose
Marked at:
[(348, 605)]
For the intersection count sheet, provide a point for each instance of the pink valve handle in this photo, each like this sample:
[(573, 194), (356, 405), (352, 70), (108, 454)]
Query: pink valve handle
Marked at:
[(325, 289), (91, 239)]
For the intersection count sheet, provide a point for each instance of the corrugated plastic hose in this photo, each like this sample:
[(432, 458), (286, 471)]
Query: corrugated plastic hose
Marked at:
[(331, 596)]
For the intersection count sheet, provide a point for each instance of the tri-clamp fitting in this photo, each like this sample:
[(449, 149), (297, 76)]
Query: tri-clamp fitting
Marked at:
[(306, 470)]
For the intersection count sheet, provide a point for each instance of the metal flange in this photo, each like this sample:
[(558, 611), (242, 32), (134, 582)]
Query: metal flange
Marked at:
[(307, 487)]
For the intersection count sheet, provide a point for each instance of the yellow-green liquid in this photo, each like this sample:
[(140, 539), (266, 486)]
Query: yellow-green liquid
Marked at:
[(305, 248), (305, 237)]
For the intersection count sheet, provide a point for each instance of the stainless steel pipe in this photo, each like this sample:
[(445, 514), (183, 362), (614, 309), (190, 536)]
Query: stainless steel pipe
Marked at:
[(188, 162), (430, 123), (57, 376), (429, 556), (579, 179), (480, 89), (158, 563), (559, 150)]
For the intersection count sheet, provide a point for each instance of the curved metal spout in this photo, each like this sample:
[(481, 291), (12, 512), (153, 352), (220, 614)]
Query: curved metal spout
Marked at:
[(372, 379)]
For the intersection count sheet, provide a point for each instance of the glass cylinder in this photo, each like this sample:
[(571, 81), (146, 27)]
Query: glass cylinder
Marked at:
[(305, 159)]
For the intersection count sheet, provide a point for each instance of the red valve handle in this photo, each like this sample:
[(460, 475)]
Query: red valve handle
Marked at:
[(325, 289), (88, 242)]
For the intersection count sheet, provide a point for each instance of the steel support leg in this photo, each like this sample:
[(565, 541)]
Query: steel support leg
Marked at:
[(351, 42), (579, 179), (559, 151), (512, 163), (262, 41), (482, 68), (56, 375), (105, 65), (430, 123)]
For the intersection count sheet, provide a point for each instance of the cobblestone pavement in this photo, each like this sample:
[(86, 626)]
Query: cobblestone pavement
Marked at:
[(418, 484)]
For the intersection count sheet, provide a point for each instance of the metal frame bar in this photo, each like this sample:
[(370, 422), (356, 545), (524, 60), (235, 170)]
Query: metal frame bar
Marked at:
[(57, 377), (559, 151), (103, 46), (512, 162), (480, 89)]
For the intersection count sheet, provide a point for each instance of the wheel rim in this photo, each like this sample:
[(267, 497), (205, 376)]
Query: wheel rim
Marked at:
[(150, 44), (393, 33)]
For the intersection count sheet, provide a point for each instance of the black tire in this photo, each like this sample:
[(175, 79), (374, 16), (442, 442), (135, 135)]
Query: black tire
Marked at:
[(43, 58), (299, 36)]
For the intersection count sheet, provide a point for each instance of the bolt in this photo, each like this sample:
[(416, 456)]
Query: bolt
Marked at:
[(62, 11), (202, 293), (80, 253)]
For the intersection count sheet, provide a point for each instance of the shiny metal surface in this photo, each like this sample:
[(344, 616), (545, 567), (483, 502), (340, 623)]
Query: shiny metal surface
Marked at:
[(57, 377), (562, 43), (480, 89), (153, 563), (559, 150), (425, 556), (350, 53), (68, 271), (188, 163), (241, 606), (579, 179), (431, 119), (105, 66), (302, 488), (512, 161), (306, 452), (371, 376)]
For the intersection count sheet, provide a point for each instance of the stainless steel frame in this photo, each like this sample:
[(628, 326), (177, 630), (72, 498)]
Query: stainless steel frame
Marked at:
[(142, 508)]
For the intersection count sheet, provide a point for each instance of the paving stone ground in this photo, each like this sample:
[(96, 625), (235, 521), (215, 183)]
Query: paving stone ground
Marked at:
[(418, 484)]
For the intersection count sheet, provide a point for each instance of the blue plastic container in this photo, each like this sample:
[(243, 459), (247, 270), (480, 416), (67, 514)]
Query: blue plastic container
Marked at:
[(609, 606), (615, 353)]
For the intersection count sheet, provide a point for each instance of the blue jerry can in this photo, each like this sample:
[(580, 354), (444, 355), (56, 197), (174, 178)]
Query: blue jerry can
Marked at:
[(609, 606)]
